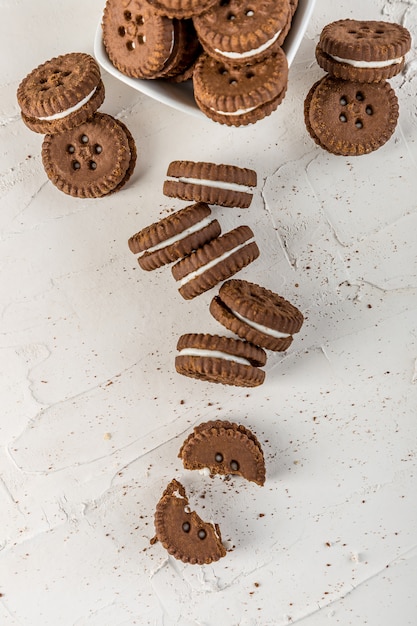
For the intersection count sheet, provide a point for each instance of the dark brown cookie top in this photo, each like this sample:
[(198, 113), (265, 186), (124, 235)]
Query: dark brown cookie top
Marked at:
[(256, 314), (241, 30), (214, 183), (366, 51), (91, 160), (261, 305), (181, 9), (350, 118), (362, 40), (137, 39), (58, 89), (182, 532), (221, 360), (231, 90), (224, 448), (174, 236)]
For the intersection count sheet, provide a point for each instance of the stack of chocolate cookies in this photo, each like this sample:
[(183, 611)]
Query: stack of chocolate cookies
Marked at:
[(202, 258), (353, 110), (231, 49), (85, 153)]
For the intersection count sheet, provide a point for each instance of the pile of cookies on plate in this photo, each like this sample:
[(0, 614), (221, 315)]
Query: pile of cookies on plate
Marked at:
[(85, 153), (231, 50), (190, 239), (353, 110)]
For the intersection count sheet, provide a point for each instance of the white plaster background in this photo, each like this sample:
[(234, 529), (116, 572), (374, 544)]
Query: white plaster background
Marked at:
[(93, 414)]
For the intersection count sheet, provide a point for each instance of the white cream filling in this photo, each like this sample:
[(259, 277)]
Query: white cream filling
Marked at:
[(249, 53), (217, 354), (61, 114), (212, 263), (238, 112), (262, 329), (182, 235), (218, 184), (364, 64)]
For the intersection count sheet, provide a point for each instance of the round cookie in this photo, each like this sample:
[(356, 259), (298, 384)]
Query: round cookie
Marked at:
[(360, 50), (214, 262), (143, 44), (242, 32), (350, 118), (237, 96), (256, 314), (220, 360), (175, 236), (182, 532), (91, 160), (224, 185), (224, 448), (181, 8), (61, 93)]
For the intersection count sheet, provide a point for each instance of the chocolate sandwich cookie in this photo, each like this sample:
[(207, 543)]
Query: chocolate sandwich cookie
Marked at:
[(241, 32), (181, 9), (221, 360), (143, 44), (214, 262), (61, 93), (350, 118), (91, 160), (174, 236), (182, 532), (224, 448), (365, 51), (256, 314), (224, 185), (240, 95)]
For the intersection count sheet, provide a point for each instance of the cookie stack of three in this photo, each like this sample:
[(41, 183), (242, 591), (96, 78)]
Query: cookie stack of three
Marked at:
[(353, 110), (203, 258), (85, 153)]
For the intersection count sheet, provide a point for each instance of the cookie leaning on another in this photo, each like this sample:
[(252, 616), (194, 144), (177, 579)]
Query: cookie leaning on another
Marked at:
[(61, 94)]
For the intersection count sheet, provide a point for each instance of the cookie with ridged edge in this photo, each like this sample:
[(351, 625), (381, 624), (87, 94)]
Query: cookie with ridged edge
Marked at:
[(61, 93), (224, 448), (222, 360), (360, 50), (182, 532), (241, 31), (91, 160), (141, 43), (350, 118), (240, 95), (214, 262), (181, 9), (198, 181), (256, 314), (174, 236)]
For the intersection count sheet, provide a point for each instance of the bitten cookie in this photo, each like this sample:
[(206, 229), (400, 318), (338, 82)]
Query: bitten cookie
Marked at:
[(61, 94), (182, 532), (141, 43), (224, 185), (221, 360), (256, 314), (174, 236), (350, 118), (240, 95), (92, 160), (363, 51), (241, 32), (224, 448), (214, 262)]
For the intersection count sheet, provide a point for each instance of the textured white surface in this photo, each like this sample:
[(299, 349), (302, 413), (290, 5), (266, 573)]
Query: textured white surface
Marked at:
[(93, 413)]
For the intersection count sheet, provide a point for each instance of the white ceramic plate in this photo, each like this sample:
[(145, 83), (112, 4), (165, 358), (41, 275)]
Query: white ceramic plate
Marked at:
[(180, 96)]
